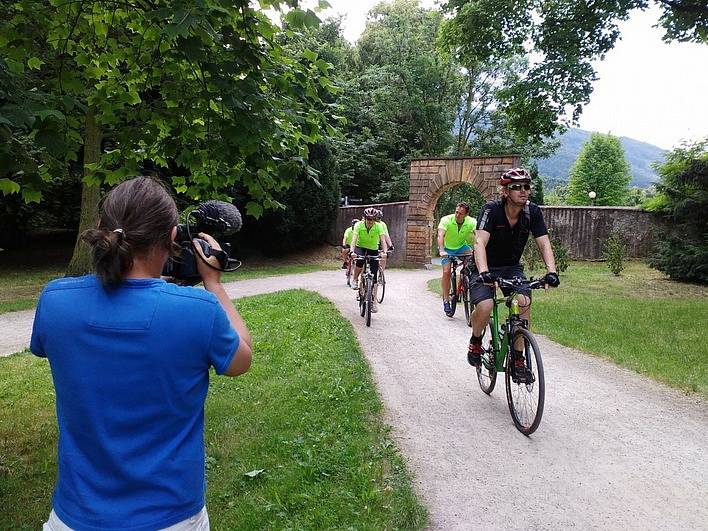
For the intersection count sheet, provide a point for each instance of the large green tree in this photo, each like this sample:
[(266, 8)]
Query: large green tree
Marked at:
[(564, 37), (682, 202), (399, 99), (601, 168), (200, 88)]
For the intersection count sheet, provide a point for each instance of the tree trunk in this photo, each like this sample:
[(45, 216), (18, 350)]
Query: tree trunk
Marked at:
[(81, 262)]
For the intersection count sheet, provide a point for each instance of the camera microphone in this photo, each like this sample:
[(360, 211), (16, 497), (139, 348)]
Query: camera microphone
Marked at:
[(216, 218), (220, 216)]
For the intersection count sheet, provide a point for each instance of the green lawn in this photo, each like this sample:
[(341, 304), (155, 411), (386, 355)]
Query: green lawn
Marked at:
[(19, 288), (306, 414), (640, 320)]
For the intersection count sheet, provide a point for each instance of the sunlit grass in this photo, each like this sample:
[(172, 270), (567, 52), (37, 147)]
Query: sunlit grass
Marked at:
[(306, 414), (640, 320)]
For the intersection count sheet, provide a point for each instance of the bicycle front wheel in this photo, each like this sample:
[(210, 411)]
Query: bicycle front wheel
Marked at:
[(369, 302), (526, 393), (487, 372), (348, 274), (382, 286), (466, 301), (362, 302)]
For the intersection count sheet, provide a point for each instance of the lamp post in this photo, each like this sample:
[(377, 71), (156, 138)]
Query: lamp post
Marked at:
[(592, 195)]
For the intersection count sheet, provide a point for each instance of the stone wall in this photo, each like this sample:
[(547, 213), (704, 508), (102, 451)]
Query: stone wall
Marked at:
[(581, 229)]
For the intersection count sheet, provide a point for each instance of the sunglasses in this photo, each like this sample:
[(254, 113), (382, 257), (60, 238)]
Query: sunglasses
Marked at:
[(369, 219), (518, 186)]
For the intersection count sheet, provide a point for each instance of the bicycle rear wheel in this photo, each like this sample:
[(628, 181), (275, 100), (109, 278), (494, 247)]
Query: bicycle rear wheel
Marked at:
[(369, 301), (526, 399), (382, 286), (453, 293), (348, 273), (487, 372)]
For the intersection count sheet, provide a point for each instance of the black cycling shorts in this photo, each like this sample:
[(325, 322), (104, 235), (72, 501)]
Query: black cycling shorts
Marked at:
[(368, 252)]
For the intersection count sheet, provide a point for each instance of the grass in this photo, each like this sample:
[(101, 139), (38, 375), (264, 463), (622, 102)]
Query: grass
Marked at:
[(20, 288), (246, 272), (307, 415), (640, 320)]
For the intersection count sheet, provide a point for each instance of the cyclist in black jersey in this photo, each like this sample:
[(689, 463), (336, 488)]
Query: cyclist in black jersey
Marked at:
[(503, 228)]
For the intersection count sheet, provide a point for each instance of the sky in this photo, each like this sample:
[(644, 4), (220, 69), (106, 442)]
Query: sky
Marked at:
[(646, 89)]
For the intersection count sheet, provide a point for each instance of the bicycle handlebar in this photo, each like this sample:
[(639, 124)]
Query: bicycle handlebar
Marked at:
[(365, 257), (517, 282)]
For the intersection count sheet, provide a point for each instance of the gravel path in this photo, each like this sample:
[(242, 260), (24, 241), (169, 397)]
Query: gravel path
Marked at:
[(614, 450)]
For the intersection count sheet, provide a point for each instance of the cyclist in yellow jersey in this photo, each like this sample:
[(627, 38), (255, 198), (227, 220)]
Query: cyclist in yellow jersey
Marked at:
[(346, 242), (367, 235), (379, 219), (456, 238)]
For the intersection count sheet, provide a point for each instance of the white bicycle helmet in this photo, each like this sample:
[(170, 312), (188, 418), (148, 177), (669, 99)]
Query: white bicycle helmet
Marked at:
[(514, 175)]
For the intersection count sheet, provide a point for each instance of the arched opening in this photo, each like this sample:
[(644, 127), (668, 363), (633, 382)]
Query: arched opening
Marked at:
[(430, 178), (449, 198)]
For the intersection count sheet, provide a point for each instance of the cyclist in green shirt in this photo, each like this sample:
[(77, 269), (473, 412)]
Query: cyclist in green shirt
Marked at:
[(346, 242), (367, 235), (456, 238)]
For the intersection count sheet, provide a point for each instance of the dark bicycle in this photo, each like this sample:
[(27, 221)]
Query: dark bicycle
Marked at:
[(460, 291), (382, 281), (365, 295), (525, 387), (349, 270)]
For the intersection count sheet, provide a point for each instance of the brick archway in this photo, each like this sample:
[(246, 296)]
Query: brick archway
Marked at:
[(430, 178)]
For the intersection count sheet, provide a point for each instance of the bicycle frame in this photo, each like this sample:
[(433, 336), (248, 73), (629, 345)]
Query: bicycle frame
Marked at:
[(455, 262), (500, 346)]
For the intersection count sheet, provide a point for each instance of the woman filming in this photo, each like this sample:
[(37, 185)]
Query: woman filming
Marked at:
[(130, 357)]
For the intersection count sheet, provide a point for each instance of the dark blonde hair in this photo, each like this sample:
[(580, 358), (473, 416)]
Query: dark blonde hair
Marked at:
[(137, 216)]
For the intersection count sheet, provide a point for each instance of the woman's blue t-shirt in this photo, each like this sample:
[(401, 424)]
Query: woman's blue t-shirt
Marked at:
[(131, 373)]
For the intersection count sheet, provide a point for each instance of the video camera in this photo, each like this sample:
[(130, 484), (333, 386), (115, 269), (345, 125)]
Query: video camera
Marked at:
[(215, 218)]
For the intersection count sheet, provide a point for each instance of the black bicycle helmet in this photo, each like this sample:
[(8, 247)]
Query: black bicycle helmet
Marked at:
[(379, 214), (370, 212), (514, 175)]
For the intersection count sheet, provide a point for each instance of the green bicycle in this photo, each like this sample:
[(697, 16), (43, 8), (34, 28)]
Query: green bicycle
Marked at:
[(525, 389)]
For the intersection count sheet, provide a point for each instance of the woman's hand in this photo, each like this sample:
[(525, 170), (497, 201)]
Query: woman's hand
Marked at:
[(210, 276)]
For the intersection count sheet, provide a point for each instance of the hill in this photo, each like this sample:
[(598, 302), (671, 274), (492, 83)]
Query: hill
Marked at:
[(639, 155)]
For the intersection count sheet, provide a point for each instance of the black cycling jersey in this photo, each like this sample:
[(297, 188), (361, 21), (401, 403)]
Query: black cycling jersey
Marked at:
[(506, 244)]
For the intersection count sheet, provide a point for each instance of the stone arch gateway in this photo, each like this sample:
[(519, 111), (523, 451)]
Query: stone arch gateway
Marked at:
[(430, 178)]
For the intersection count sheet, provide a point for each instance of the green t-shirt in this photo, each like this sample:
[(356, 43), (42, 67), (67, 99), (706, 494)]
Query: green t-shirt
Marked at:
[(348, 236), (455, 236), (385, 228), (368, 239)]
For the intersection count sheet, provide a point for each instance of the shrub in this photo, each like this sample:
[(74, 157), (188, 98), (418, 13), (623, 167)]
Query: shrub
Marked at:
[(310, 207), (614, 252), (532, 257), (682, 202), (561, 254)]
